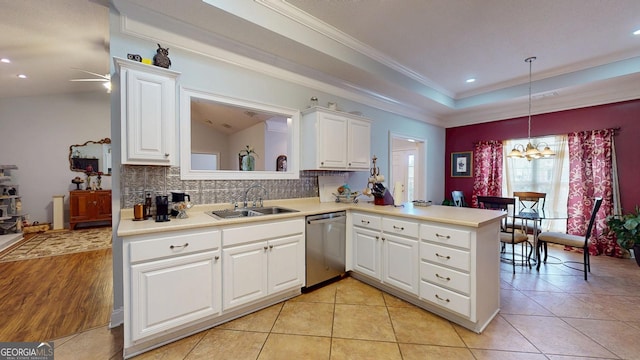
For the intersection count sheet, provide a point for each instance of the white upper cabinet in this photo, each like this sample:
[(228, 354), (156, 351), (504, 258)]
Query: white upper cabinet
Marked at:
[(148, 113), (334, 140)]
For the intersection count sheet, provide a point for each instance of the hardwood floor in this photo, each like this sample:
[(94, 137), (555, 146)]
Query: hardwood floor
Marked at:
[(48, 298)]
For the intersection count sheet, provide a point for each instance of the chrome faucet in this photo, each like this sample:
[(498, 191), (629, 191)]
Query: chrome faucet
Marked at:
[(246, 195)]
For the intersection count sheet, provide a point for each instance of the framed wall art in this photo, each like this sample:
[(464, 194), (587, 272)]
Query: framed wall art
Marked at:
[(462, 164)]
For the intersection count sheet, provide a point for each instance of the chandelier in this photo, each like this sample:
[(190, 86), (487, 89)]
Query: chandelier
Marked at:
[(531, 151)]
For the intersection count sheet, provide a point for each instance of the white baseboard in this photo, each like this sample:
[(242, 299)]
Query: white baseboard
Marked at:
[(117, 318)]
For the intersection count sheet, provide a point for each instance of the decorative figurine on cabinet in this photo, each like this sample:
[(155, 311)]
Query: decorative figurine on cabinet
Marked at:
[(281, 163), (161, 58)]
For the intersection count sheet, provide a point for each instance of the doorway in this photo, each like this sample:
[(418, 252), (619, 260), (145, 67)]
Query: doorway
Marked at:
[(407, 163)]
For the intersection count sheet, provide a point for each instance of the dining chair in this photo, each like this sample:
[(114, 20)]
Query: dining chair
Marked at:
[(458, 198), (509, 234), (570, 240), (529, 201)]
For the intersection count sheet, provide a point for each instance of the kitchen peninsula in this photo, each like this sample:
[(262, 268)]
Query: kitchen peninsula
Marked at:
[(187, 275)]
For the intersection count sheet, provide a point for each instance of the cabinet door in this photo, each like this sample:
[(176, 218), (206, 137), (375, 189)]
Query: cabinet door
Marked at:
[(366, 252), (401, 262), (332, 141), (148, 117), (103, 205), (79, 205), (172, 292), (244, 274), (286, 263), (359, 144)]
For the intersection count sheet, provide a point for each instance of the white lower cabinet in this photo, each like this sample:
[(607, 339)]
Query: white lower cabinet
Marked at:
[(260, 260), (450, 270), (174, 292), (401, 256), (367, 249), (245, 273), (171, 280), (386, 248)]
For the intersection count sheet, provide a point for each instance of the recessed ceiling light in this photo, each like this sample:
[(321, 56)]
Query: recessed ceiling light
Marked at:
[(469, 81), (5, 60), (22, 76), (637, 32)]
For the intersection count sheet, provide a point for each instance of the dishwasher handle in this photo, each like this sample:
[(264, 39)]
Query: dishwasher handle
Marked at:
[(326, 220)]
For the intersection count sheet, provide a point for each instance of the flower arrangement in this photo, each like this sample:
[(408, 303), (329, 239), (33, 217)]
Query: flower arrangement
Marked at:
[(247, 161), (626, 228), (248, 151)]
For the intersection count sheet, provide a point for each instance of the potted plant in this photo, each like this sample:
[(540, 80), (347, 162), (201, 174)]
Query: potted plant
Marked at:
[(627, 230), (247, 161)]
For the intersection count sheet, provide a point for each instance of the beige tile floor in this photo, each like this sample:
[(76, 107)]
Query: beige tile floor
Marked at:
[(553, 314)]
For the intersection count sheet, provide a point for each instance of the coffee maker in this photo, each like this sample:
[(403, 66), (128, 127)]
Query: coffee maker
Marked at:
[(162, 208)]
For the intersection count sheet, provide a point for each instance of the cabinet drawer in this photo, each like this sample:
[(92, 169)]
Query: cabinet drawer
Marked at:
[(445, 298), (447, 236), (442, 255), (452, 279), (367, 221), (159, 246), (400, 227), (263, 231)]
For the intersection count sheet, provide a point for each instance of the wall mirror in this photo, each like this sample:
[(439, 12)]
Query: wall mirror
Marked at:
[(217, 131), (96, 154)]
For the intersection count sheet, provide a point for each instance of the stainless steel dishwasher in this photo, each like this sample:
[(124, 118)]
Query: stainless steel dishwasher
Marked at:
[(325, 243)]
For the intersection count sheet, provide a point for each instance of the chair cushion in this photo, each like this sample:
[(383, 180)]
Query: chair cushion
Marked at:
[(562, 239), (519, 237)]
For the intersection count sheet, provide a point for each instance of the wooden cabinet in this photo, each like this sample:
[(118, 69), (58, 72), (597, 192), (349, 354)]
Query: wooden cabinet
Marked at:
[(261, 260), (148, 113), (89, 206), (334, 140), (171, 281)]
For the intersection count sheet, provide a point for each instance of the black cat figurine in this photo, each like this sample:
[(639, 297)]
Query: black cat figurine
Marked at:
[(161, 58)]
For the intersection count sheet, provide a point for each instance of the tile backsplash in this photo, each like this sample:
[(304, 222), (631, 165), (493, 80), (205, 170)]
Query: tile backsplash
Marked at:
[(137, 180)]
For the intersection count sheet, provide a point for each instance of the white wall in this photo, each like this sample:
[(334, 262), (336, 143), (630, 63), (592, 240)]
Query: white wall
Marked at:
[(35, 135)]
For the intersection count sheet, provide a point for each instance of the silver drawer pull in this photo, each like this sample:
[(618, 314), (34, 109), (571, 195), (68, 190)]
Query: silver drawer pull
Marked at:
[(178, 246), (443, 236), (439, 298), (398, 227), (365, 222), (442, 256), (442, 277)]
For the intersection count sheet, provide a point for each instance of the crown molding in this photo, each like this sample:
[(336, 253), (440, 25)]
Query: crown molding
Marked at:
[(293, 13), (169, 31)]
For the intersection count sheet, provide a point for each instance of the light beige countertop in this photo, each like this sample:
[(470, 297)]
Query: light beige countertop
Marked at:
[(308, 206)]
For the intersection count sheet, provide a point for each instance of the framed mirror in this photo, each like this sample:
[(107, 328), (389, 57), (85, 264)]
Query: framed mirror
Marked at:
[(218, 135), (96, 154)]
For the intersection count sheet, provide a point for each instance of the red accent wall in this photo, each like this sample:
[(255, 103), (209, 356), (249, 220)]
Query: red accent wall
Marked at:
[(625, 115)]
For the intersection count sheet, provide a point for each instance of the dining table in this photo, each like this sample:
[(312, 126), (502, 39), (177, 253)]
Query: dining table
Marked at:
[(536, 216)]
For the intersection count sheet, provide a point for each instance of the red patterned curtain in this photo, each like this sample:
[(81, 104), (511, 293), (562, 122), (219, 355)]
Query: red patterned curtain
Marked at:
[(590, 175), (487, 173)]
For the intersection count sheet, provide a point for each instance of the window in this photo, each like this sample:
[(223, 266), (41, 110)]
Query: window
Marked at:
[(547, 175)]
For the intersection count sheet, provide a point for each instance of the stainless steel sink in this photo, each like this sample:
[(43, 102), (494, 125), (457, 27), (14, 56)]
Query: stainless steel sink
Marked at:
[(231, 214), (258, 211), (271, 210)]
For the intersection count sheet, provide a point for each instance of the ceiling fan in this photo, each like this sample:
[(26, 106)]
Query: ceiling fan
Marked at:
[(105, 79)]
